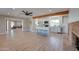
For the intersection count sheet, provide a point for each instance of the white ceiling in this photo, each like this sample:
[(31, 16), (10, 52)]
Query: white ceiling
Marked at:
[(16, 12)]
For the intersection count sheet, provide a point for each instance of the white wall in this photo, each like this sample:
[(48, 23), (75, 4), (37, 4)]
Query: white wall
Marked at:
[(2, 25), (65, 20), (8, 25), (73, 15), (27, 24)]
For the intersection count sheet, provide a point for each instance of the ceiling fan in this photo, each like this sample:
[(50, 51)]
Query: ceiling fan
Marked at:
[(27, 13)]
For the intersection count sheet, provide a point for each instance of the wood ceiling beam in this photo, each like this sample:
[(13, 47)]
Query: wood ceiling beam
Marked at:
[(52, 14)]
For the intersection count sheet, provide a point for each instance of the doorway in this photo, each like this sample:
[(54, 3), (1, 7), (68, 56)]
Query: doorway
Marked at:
[(13, 27)]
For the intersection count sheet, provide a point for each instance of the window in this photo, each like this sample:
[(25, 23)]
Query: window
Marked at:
[(12, 24), (55, 22)]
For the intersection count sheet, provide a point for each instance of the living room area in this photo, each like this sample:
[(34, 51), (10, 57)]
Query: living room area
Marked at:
[(37, 29)]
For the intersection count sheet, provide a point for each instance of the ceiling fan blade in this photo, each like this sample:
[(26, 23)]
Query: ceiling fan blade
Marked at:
[(27, 13), (23, 11)]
